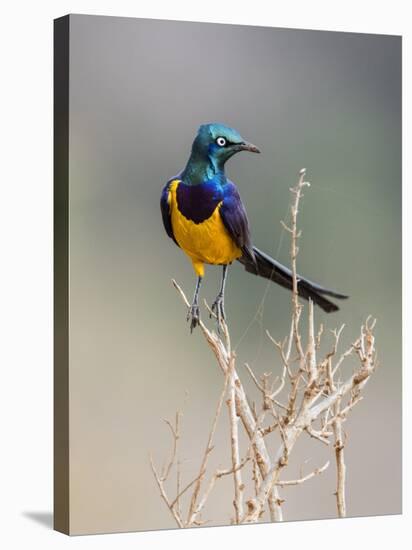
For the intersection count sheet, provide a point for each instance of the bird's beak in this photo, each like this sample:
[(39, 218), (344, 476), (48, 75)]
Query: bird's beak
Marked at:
[(248, 147)]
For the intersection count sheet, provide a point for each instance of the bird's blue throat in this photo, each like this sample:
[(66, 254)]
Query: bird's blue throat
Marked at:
[(202, 168)]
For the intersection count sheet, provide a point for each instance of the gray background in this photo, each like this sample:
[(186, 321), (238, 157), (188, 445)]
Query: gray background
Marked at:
[(138, 91)]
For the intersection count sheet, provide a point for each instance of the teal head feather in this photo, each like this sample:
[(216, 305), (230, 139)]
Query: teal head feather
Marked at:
[(214, 144)]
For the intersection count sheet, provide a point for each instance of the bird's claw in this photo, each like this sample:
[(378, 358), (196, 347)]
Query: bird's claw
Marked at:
[(193, 315), (218, 309)]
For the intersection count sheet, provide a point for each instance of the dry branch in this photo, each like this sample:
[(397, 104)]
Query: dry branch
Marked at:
[(310, 395), (234, 443), (316, 472)]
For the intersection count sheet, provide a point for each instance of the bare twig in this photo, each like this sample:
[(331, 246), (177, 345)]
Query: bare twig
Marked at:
[(297, 308), (163, 494), (217, 475), (175, 433), (309, 395), (340, 462), (312, 367), (318, 471), (192, 509), (234, 443)]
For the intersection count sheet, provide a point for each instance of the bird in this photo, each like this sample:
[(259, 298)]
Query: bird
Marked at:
[(204, 215)]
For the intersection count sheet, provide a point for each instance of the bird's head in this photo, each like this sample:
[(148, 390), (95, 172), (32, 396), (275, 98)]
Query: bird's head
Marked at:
[(218, 143)]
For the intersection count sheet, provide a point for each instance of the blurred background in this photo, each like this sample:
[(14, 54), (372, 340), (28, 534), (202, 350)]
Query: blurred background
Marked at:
[(330, 102)]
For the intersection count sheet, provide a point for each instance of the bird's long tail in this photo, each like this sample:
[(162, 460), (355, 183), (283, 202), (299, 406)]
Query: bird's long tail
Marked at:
[(265, 266)]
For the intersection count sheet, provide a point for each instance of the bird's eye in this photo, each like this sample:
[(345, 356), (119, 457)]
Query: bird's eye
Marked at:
[(221, 141)]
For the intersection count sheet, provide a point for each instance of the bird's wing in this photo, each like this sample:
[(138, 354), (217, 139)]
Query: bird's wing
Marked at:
[(165, 209), (235, 220)]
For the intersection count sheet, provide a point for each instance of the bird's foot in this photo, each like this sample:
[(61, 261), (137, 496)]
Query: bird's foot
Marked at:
[(218, 309), (193, 315)]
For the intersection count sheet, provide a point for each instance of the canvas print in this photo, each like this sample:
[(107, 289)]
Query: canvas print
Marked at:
[(234, 356)]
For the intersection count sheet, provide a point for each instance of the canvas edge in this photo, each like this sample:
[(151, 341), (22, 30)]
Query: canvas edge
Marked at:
[(61, 484)]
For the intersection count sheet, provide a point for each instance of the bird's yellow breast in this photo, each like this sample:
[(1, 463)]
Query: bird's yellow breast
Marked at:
[(205, 242)]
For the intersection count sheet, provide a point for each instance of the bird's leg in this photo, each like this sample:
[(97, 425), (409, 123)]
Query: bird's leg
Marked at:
[(193, 314), (218, 306)]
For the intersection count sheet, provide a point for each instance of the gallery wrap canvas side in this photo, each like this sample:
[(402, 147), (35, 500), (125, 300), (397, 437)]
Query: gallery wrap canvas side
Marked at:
[(61, 275)]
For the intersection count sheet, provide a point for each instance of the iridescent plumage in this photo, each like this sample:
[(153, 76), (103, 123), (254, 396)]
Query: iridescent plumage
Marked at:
[(203, 213)]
